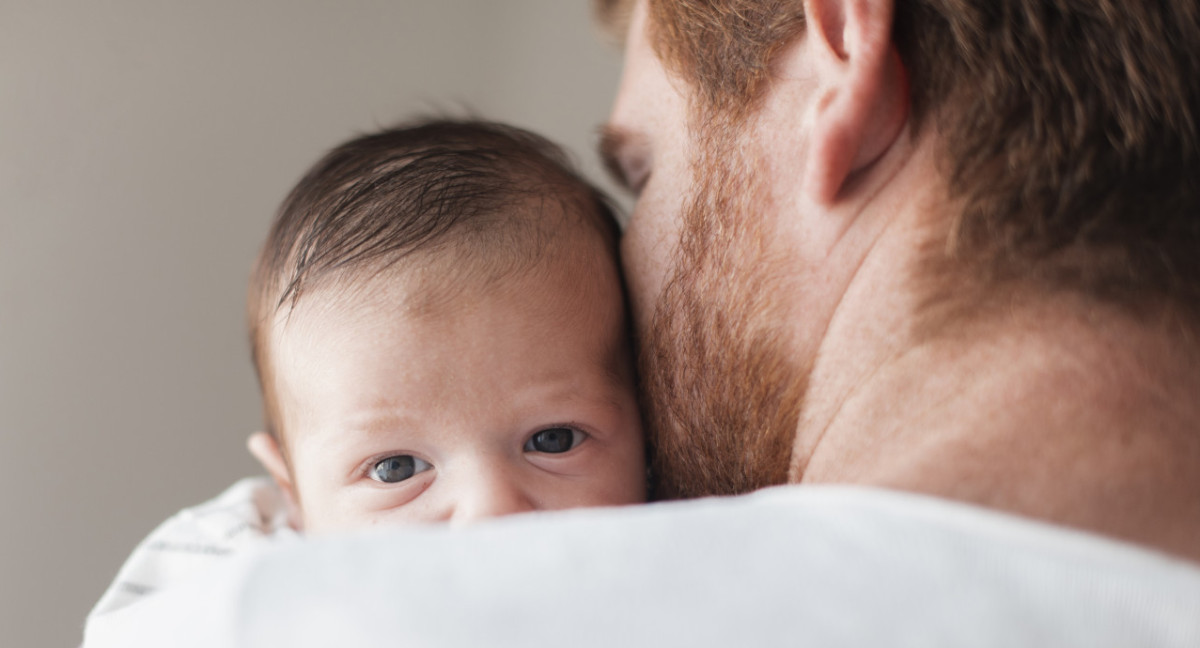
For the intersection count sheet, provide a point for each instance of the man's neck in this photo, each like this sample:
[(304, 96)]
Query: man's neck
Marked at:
[(1056, 410)]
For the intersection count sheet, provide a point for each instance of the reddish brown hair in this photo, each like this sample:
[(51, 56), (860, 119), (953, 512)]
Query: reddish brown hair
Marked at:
[(1069, 128)]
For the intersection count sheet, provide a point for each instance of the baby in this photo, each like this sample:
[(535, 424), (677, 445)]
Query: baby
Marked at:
[(438, 325)]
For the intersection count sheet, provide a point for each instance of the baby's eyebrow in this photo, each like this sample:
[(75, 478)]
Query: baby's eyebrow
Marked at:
[(372, 431), (377, 422)]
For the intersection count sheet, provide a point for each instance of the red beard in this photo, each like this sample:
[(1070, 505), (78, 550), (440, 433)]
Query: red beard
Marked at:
[(721, 390)]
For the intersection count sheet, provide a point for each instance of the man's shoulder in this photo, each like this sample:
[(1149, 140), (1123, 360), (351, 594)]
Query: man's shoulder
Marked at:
[(828, 565), (246, 515)]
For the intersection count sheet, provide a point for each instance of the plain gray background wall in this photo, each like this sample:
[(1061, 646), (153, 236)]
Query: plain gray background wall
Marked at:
[(144, 146)]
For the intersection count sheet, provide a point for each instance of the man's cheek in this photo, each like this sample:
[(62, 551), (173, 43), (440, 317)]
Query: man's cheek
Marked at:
[(647, 251)]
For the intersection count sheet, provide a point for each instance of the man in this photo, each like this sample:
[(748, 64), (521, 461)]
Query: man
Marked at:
[(933, 247), (956, 257)]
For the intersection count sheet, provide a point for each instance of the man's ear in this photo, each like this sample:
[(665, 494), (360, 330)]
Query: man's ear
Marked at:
[(863, 97), (266, 450)]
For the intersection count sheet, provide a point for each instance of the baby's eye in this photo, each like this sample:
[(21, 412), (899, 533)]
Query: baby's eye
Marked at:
[(398, 468), (554, 440)]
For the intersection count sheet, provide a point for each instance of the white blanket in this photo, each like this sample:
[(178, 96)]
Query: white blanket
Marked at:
[(791, 566), (248, 515)]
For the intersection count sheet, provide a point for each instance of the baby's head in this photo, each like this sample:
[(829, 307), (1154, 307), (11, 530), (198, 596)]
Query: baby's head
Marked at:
[(439, 331)]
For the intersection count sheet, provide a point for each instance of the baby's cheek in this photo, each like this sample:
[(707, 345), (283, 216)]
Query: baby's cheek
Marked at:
[(314, 513), (368, 505), (628, 472), (631, 488), (622, 483), (325, 509), (325, 520)]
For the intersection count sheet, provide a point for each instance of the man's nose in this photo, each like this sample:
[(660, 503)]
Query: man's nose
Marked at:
[(489, 492)]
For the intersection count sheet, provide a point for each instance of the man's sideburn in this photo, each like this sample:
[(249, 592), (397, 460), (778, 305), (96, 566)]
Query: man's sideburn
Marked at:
[(722, 391)]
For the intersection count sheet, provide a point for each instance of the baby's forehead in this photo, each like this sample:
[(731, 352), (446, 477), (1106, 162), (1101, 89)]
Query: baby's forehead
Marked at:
[(399, 331), (400, 324), (453, 277)]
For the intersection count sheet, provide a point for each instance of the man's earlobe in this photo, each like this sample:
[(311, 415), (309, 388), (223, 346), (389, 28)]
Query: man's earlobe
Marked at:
[(863, 100), (266, 450)]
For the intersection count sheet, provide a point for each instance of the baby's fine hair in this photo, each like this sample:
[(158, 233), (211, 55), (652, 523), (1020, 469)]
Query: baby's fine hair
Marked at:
[(491, 195)]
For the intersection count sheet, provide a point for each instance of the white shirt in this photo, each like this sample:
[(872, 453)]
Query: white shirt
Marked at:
[(249, 515), (789, 566)]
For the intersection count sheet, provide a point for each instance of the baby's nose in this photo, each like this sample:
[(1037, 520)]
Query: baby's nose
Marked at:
[(489, 493)]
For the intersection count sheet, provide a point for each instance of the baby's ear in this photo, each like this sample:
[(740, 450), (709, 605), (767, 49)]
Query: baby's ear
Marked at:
[(266, 450)]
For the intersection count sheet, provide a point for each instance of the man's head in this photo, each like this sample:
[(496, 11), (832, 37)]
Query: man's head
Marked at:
[(438, 326), (1045, 149)]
